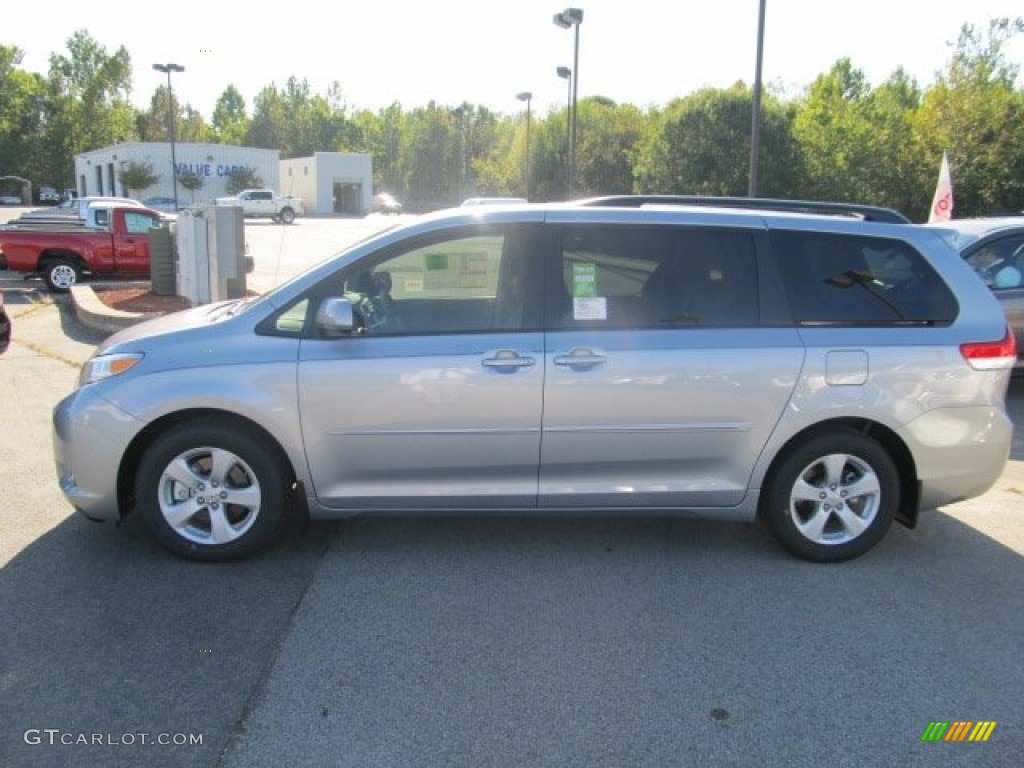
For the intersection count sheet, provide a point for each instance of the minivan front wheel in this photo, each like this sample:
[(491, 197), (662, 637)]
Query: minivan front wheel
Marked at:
[(833, 497), (210, 491)]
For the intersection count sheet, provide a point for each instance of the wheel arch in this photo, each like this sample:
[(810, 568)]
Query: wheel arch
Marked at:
[(910, 487), (147, 436), (52, 254)]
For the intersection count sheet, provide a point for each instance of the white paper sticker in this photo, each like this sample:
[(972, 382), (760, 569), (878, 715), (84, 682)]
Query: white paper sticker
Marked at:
[(595, 308)]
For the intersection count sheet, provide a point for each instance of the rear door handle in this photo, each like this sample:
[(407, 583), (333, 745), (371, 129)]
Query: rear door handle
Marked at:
[(580, 357)]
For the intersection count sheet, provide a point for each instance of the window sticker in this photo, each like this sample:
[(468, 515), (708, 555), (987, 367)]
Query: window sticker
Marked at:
[(590, 308), (586, 304), (584, 280), (436, 262)]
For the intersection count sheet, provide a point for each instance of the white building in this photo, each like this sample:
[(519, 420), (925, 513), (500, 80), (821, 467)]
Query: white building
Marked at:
[(96, 172), (328, 182)]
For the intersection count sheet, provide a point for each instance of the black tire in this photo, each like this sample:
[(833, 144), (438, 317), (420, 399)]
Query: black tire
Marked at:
[(211, 491), (287, 215), (61, 273), (833, 497)]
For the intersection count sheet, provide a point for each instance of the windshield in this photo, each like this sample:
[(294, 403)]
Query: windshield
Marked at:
[(356, 244)]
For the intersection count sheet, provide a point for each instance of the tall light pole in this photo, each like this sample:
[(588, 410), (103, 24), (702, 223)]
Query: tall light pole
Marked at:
[(566, 74), (755, 119), (168, 68), (572, 18), (527, 97)]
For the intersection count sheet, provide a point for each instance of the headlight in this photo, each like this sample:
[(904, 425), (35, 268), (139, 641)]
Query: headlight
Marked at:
[(105, 366)]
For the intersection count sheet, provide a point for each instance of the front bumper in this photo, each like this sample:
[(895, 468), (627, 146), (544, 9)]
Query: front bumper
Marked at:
[(90, 436)]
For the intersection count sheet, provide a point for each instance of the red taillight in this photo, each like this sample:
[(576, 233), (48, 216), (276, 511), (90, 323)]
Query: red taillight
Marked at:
[(990, 355)]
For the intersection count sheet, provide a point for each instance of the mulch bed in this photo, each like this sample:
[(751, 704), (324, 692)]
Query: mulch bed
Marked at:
[(140, 300)]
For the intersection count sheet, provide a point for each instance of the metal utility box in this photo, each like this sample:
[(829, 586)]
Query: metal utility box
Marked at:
[(162, 260), (211, 254)]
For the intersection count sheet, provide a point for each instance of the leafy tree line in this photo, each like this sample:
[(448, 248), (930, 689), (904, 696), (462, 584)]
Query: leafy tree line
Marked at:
[(841, 139)]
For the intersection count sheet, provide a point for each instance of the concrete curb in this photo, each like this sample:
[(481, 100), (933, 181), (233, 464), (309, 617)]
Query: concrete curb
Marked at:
[(97, 316)]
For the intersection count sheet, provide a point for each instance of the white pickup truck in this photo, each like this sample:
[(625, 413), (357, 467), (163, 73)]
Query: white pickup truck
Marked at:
[(263, 203)]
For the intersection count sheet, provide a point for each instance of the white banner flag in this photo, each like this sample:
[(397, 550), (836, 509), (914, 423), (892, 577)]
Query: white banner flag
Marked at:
[(942, 203)]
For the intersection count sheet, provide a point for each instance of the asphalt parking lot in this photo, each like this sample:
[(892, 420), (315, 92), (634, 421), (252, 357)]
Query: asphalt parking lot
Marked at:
[(496, 642)]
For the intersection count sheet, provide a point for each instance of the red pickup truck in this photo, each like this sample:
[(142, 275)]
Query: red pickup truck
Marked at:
[(63, 253)]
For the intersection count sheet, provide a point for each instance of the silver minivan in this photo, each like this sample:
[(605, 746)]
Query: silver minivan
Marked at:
[(827, 375)]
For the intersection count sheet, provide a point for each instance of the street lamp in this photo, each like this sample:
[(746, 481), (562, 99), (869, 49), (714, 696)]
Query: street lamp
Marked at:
[(527, 97), (755, 118), (572, 18), (566, 74), (168, 68)]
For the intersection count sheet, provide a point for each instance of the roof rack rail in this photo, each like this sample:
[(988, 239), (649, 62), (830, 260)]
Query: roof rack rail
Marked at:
[(852, 210)]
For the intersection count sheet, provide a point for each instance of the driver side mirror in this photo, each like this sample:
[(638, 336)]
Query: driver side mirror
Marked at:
[(335, 318)]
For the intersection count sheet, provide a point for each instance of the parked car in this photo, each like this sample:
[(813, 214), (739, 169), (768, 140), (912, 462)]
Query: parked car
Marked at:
[(823, 374), (116, 243), (48, 196), (386, 203), (10, 200), (994, 248), (265, 204), (75, 207), (165, 203), (5, 326)]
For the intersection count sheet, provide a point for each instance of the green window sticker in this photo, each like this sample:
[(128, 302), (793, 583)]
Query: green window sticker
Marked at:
[(436, 262), (584, 280)]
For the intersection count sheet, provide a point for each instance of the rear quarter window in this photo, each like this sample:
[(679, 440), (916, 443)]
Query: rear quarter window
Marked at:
[(839, 279)]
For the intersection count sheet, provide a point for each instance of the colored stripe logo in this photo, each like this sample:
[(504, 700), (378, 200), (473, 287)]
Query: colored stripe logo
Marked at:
[(959, 730)]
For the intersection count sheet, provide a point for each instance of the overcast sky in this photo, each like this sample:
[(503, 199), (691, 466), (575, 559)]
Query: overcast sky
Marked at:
[(643, 52)]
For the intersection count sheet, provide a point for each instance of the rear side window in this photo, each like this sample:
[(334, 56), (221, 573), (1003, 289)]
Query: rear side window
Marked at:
[(834, 279), (615, 277)]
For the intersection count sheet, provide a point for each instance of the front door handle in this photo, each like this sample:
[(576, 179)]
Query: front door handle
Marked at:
[(508, 360), (581, 357)]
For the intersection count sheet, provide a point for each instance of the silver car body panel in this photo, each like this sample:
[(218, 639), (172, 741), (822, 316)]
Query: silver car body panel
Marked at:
[(681, 418)]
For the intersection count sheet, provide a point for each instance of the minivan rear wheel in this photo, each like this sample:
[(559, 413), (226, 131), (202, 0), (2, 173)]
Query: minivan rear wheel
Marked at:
[(210, 491), (833, 497)]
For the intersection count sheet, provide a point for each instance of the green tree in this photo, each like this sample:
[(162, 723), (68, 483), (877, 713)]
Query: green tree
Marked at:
[(21, 118), (242, 177), (379, 135), (833, 130), (430, 157), (894, 173), (975, 113), (608, 136), (136, 177), (700, 145), (230, 120), (550, 154), (87, 102), (268, 127), (192, 181)]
